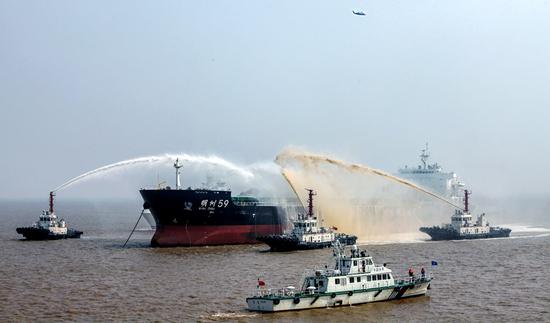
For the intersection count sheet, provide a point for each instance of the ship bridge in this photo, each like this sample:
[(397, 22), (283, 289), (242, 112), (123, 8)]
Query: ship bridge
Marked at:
[(432, 177)]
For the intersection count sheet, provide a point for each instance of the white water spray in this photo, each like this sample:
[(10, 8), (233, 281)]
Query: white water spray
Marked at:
[(290, 155), (213, 160), (362, 200)]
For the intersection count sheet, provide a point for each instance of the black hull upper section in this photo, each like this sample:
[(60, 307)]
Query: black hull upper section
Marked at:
[(207, 207), (207, 217), (290, 243), (31, 233), (439, 234)]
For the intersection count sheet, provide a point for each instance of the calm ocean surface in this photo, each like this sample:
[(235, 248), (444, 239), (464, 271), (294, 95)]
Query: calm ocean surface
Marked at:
[(95, 279)]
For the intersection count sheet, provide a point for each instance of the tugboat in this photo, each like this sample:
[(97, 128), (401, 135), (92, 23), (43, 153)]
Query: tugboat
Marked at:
[(462, 227), (354, 280), (48, 227), (306, 234)]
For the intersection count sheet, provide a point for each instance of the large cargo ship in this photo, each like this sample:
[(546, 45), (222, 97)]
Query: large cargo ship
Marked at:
[(197, 217)]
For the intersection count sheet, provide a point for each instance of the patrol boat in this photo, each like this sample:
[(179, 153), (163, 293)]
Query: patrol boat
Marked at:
[(306, 234), (354, 280), (49, 227), (462, 227)]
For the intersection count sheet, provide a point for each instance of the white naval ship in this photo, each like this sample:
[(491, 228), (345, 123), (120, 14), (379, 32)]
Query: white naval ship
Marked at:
[(355, 279), (433, 178)]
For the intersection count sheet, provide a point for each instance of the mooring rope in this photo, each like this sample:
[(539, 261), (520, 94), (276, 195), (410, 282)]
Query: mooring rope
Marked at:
[(134, 229)]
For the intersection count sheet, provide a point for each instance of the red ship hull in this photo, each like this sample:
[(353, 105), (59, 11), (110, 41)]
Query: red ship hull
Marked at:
[(178, 235)]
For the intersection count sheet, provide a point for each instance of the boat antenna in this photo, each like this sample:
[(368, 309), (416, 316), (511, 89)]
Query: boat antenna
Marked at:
[(52, 194), (466, 195), (177, 166), (310, 195)]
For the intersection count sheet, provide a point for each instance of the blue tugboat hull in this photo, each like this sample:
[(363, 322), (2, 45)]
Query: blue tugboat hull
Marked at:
[(440, 234), (31, 233), (290, 243)]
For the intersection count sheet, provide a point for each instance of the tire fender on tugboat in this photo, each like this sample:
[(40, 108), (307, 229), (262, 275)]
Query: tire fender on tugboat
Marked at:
[(296, 300)]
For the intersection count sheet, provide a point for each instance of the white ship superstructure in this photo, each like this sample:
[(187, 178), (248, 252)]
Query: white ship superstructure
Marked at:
[(433, 178), (48, 221), (462, 223), (306, 230)]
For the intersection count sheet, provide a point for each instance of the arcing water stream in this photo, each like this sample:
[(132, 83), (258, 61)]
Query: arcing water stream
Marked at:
[(291, 154), (363, 205), (370, 203), (214, 160)]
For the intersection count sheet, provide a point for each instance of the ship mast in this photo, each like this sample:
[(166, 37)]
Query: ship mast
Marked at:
[(466, 195), (310, 195), (177, 166)]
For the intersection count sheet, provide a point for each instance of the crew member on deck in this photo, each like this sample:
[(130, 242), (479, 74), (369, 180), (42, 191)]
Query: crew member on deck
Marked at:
[(411, 272), (423, 272)]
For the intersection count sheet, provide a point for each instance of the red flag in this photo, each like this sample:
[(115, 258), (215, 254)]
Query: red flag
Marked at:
[(261, 283)]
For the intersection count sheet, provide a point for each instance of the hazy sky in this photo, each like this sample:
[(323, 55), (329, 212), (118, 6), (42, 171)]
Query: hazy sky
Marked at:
[(87, 83)]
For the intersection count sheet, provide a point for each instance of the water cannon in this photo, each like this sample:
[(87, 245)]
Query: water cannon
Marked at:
[(311, 193), (52, 194)]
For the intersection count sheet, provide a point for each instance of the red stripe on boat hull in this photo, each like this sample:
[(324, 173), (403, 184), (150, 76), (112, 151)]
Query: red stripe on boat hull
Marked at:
[(170, 236)]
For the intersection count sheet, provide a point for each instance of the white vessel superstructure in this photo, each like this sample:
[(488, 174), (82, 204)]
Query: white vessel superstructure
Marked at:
[(433, 178), (48, 221)]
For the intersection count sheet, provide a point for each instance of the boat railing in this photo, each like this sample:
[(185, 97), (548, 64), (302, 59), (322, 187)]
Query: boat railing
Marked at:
[(414, 279), (280, 292)]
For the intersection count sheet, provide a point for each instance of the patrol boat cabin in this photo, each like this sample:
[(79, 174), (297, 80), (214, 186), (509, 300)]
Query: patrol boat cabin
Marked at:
[(355, 279), (355, 272)]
